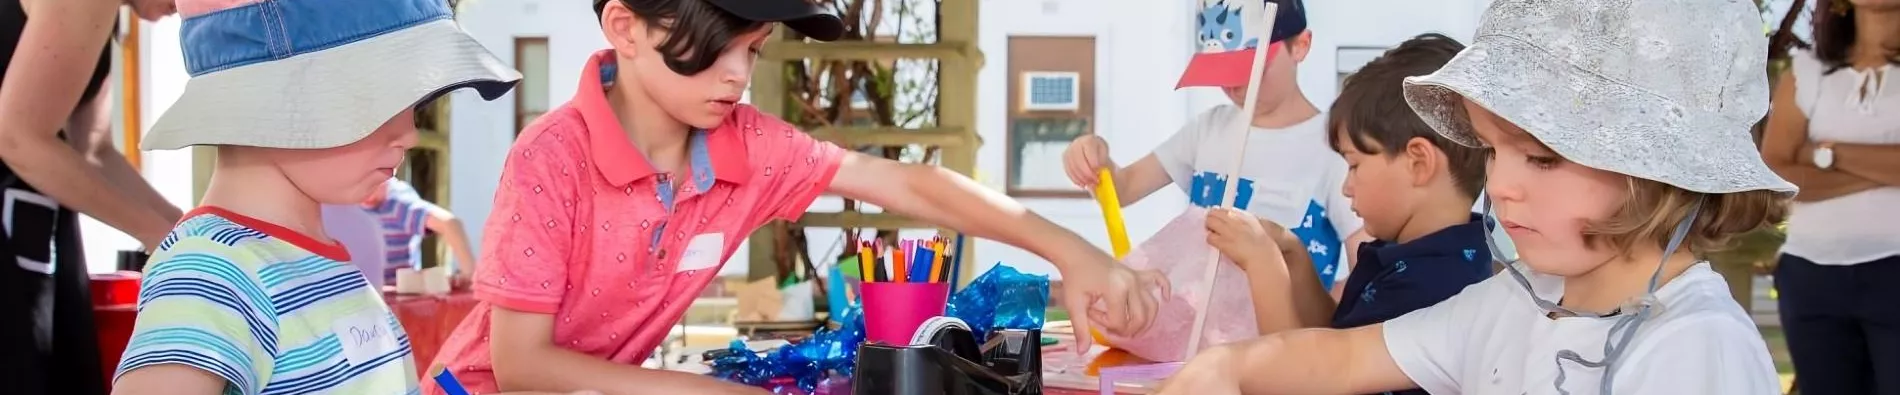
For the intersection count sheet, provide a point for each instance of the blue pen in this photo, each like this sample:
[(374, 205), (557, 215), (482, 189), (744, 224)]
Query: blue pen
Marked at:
[(956, 263), (449, 384), (921, 265)]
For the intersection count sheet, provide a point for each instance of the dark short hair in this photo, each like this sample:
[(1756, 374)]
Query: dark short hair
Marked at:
[(1371, 108), (1834, 37), (697, 31)]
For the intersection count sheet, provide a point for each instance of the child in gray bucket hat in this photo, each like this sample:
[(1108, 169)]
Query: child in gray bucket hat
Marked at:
[(1620, 154)]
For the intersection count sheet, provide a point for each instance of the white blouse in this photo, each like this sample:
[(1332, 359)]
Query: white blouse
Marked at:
[(1857, 107)]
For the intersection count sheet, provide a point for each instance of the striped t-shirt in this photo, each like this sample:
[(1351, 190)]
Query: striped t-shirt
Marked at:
[(269, 310), (404, 215)]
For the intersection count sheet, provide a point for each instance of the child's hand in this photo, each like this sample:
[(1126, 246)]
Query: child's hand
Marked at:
[(1210, 373), (461, 280), (1128, 304), (1243, 238), (1084, 158)]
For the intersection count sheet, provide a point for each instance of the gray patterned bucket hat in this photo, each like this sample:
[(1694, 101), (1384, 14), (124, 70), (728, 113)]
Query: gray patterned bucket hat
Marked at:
[(1664, 90)]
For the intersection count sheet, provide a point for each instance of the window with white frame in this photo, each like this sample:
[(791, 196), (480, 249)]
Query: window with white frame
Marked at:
[(1051, 91)]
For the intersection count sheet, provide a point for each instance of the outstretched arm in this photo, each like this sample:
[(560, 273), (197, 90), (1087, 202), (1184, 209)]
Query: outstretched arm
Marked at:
[(526, 358), (1306, 361), (939, 196)]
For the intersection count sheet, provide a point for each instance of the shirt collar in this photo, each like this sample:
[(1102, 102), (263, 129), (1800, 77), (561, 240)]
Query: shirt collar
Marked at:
[(1464, 240), (717, 154)]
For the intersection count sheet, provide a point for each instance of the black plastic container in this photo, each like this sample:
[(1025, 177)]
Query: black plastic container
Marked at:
[(953, 364)]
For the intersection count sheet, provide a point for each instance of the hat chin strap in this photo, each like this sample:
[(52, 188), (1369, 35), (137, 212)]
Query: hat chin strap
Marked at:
[(1625, 328)]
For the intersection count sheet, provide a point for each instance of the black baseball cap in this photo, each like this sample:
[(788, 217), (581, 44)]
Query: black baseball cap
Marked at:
[(808, 19)]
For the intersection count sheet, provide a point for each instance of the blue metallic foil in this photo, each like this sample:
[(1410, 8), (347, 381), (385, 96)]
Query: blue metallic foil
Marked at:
[(1002, 298), (825, 354)]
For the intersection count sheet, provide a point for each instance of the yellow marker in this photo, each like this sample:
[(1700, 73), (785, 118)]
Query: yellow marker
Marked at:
[(1112, 213), (867, 265), (1117, 231)]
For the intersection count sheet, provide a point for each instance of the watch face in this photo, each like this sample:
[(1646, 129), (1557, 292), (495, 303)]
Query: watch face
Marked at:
[(1824, 158)]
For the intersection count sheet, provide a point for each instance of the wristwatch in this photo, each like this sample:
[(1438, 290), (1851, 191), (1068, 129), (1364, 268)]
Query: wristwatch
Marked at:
[(1824, 156)]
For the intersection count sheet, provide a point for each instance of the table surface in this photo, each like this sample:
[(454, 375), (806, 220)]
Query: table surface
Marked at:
[(430, 318), (1064, 372)]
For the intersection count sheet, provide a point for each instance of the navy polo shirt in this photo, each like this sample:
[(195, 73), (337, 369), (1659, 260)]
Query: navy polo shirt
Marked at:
[(1392, 279)]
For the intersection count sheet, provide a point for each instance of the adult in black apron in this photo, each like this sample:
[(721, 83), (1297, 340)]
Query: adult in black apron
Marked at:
[(48, 341)]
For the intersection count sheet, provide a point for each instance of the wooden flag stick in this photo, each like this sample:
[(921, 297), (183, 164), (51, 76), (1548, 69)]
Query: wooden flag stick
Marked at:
[(1233, 175)]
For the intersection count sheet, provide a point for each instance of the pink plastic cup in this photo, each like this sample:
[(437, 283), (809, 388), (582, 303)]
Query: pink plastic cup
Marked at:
[(893, 311)]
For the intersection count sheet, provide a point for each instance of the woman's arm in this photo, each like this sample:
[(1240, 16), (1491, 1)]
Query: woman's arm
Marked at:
[(1879, 163), (526, 358), (1785, 143), (48, 72), (90, 133)]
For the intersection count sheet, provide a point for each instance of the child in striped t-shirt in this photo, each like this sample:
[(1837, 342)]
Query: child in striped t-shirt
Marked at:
[(307, 103), (405, 217)]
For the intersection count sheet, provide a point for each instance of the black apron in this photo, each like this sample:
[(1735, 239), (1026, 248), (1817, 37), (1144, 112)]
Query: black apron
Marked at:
[(48, 342)]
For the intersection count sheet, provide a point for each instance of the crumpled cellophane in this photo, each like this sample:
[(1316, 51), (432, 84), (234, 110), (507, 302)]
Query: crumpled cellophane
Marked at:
[(1179, 251), (825, 354), (1001, 298)]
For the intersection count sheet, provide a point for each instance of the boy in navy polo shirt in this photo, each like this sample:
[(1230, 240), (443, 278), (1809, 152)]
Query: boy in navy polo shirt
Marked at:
[(1413, 188)]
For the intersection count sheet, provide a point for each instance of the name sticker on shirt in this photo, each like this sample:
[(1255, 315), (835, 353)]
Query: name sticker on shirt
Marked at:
[(365, 337), (703, 252)]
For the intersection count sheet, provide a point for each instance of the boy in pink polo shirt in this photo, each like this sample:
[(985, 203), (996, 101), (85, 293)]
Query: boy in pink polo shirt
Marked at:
[(617, 208)]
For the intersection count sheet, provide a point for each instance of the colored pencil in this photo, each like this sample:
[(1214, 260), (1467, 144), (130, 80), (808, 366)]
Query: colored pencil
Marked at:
[(936, 263), (898, 264)]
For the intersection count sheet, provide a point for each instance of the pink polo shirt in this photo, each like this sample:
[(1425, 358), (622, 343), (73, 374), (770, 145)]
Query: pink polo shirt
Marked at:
[(582, 228)]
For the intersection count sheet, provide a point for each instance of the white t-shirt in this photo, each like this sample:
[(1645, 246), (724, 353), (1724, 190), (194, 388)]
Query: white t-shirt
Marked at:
[(1290, 176), (1859, 227), (1493, 339)]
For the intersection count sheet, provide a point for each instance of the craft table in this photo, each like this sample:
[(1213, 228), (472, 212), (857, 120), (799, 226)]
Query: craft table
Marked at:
[(429, 319), (1064, 373)]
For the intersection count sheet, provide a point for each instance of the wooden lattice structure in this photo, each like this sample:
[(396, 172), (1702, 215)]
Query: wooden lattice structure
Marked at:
[(954, 135)]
